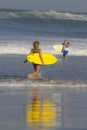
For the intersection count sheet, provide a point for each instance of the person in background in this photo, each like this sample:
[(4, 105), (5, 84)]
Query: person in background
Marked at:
[(36, 67), (65, 49)]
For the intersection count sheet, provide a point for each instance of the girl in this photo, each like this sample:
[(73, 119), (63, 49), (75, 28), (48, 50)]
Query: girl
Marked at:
[(36, 67)]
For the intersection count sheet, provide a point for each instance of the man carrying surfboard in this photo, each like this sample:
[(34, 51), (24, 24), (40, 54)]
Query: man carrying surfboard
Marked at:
[(36, 67), (65, 49)]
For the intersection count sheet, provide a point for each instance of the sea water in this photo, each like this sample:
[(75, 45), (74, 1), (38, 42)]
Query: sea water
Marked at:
[(18, 30)]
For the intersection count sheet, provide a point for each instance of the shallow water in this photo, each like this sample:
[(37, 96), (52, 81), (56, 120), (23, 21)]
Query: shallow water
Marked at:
[(73, 68)]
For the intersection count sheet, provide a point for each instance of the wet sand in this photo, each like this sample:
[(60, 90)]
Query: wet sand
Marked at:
[(70, 108)]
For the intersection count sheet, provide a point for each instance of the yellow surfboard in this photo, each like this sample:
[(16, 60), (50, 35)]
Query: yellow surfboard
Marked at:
[(47, 58), (58, 47)]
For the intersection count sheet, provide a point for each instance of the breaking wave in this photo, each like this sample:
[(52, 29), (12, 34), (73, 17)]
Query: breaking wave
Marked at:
[(42, 14)]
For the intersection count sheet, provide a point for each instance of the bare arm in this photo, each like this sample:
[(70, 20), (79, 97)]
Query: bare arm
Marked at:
[(41, 58), (66, 44), (31, 52)]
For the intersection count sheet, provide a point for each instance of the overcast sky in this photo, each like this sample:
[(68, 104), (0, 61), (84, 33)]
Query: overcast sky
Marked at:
[(57, 5)]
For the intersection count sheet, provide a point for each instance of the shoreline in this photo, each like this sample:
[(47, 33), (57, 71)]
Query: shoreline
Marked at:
[(25, 84)]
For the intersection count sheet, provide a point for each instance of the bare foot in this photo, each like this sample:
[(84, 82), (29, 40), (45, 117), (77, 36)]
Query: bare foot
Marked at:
[(32, 76)]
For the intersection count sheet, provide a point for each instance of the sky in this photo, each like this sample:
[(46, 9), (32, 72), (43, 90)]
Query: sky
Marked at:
[(56, 5)]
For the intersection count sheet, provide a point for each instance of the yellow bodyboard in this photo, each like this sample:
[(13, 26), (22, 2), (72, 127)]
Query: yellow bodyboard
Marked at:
[(47, 58), (58, 47)]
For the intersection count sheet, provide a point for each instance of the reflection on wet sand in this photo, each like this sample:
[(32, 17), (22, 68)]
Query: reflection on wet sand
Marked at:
[(40, 112), (43, 109)]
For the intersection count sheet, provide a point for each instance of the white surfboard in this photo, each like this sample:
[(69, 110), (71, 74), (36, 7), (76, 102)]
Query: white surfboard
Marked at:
[(58, 47)]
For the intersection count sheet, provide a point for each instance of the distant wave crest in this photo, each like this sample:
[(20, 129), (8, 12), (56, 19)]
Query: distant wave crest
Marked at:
[(42, 14)]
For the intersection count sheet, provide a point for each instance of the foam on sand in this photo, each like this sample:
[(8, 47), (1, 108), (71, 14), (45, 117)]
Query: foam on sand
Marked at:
[(23, 83)]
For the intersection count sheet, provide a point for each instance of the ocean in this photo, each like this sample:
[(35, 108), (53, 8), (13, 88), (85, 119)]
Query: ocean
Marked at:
[(18, 30)]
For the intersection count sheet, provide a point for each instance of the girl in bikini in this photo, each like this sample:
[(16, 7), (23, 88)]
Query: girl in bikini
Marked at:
[(36, 67)]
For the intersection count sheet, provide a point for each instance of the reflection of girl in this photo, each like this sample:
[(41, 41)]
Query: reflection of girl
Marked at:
[(41, 111), (36, 49), (65, 48), (33, 111)]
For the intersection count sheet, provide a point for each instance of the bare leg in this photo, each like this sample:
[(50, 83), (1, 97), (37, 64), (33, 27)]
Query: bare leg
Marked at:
[(37, 70), (36, 73)]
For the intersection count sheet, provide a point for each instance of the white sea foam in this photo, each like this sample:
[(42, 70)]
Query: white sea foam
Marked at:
[(78, 47), (20, 83)]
